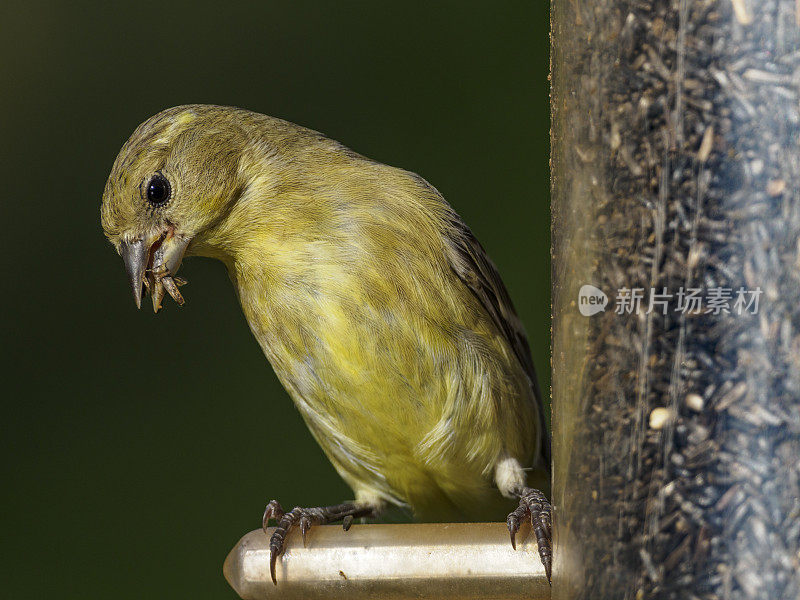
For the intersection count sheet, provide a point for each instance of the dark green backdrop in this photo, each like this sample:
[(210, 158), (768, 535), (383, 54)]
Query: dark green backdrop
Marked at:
[(136, 449)]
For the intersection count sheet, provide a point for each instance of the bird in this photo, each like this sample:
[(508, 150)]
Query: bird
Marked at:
[(380, 312)]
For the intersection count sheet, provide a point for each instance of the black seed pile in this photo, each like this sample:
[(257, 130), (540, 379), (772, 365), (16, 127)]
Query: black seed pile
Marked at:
[(676, 165)]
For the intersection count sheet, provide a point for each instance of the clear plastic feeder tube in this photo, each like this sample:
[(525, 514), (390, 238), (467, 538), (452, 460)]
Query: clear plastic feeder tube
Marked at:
[(676, 346)]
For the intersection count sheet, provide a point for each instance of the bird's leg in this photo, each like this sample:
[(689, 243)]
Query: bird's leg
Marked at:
[(305, 518), (533, 504)]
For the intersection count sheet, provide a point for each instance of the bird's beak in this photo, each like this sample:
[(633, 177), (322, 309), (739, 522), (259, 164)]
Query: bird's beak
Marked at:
[(152, 261), (135, 256)]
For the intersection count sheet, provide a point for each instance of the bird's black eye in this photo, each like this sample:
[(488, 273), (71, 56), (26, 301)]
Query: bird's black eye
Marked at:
[(158, 190)]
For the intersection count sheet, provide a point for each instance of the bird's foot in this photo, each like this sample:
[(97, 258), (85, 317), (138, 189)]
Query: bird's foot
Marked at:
[(305, 518), (533, 504)]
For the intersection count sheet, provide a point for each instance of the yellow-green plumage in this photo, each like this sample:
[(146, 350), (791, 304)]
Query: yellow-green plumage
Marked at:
[(378, 310)]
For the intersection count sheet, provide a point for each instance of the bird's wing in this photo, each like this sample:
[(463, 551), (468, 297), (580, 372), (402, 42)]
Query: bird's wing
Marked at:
[(472, 265)]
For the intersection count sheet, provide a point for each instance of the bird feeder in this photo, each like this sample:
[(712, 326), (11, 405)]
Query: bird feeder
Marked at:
[(676, 324)]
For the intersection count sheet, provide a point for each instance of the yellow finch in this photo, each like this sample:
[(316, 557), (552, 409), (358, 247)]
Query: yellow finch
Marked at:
[(380, 312)]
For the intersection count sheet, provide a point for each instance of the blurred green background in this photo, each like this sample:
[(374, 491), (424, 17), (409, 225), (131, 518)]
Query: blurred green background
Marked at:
[(137, 448)]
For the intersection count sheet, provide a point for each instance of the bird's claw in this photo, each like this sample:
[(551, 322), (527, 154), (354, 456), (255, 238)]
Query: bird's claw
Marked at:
[(513, 528), (273, 558), (306, 518), (534, 505), (305, 525), (347, 522), (274, 510)]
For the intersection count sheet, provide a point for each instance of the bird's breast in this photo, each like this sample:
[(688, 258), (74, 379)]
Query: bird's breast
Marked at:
[(402, 382)]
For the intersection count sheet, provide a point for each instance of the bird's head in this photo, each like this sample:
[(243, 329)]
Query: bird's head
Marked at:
[(173, 181)]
